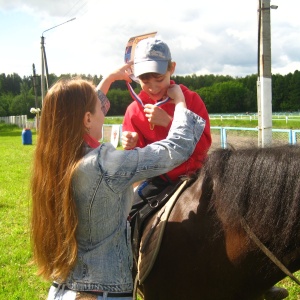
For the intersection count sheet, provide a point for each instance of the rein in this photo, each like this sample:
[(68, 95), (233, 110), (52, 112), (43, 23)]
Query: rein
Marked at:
[(267, 252)]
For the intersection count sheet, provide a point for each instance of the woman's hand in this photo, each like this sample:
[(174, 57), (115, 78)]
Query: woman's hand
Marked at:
[(175, 93), (118, 74)]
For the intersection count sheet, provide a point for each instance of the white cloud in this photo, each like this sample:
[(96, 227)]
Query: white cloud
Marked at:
[(211, 37)]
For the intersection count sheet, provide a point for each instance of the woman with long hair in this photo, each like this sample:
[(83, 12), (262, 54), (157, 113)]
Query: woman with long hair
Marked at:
[(82, 190)]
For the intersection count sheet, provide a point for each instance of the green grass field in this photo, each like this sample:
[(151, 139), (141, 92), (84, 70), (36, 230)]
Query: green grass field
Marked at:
[(18, 280), (278, 124), (17, 277)]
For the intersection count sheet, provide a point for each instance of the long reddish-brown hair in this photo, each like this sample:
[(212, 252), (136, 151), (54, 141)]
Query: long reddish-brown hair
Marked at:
[(59, 148)]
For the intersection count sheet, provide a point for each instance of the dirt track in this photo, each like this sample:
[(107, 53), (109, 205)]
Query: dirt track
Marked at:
[(234, 141), (239, 141)]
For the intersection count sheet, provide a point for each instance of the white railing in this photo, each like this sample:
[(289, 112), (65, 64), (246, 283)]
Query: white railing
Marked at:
[(20, 121), (222, 136)]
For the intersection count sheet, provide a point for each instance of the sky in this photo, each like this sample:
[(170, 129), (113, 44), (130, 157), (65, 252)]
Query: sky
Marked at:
[(205, 37)]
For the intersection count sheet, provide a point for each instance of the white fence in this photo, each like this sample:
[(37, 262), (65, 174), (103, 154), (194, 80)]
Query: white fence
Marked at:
[(223, 137), (287, 117), (20, 121), (238, 137)]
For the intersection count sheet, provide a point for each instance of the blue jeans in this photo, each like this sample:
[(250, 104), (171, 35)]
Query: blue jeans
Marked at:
[(113, 298), (61, 294)]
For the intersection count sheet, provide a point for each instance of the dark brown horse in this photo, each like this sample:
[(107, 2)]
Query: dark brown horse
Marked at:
[(205, 251)]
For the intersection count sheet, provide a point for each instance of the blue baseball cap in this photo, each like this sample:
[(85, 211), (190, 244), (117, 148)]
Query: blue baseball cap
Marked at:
[(151, 56)]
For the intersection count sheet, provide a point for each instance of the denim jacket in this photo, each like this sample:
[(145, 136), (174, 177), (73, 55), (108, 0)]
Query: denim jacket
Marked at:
[(103, 192)]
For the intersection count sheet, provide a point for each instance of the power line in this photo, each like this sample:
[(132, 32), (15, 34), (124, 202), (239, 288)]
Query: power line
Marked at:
[(77, 9)]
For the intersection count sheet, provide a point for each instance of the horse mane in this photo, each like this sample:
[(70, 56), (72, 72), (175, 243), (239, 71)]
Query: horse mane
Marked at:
[(261, 185)]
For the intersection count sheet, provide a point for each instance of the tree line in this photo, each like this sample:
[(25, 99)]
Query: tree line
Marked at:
[(221, 94)]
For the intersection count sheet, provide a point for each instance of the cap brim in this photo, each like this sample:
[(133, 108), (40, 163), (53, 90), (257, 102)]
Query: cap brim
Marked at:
[(159, 67)]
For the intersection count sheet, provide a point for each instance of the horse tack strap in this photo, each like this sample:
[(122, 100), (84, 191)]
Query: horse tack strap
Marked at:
[(268, 253), (150, 242)]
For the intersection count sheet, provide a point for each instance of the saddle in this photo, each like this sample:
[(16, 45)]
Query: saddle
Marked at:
[(146, 246)]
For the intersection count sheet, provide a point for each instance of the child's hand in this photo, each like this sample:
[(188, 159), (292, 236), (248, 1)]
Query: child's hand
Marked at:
[(156, 115), (129, 139)]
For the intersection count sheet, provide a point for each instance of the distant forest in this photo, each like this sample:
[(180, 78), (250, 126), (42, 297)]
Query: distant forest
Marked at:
[(221, 94)]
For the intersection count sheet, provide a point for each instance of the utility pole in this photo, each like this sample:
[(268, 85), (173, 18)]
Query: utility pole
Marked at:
[(35, 85), (44, 66), (264, 79), (44, 61), (36, 99)]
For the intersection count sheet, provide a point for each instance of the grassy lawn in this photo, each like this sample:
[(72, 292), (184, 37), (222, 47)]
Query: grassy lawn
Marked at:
[(17, 276), (278, 124)]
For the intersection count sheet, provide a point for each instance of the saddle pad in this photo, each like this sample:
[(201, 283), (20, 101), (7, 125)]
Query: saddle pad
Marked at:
[(152, 236)]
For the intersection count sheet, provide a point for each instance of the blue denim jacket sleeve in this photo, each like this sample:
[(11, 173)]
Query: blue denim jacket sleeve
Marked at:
[(102, 187), (122, 168)]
